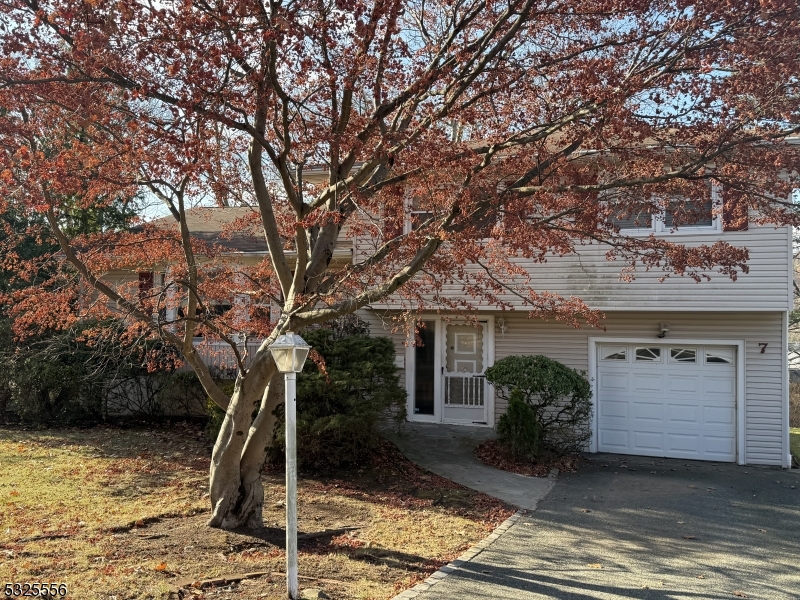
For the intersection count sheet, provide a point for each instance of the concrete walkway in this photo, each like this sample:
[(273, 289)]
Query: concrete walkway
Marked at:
[(447, 451)]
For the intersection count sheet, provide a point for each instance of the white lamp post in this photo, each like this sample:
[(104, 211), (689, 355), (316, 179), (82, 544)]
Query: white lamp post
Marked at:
[(290, 352)]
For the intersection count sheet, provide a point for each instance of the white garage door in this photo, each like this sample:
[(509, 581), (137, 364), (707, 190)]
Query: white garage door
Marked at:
[(665, 400)]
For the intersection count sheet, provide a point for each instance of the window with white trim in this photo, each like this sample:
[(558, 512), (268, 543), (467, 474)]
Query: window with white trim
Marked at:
[(614, 353), (647, 354), (683, 355), (681, 216), (417, 214), (719, 356)]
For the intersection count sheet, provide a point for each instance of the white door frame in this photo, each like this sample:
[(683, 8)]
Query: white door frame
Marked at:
[(438, 403), (741, 456)]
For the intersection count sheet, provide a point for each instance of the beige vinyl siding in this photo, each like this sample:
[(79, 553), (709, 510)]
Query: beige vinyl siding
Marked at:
[(381, 324), (763, 405), (596, 280)]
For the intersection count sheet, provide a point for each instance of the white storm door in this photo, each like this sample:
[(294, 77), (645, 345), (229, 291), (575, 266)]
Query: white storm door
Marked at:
[(676, 401), (464, 358)]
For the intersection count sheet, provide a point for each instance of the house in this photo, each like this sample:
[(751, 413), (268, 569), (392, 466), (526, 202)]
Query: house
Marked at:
[(682, 370)]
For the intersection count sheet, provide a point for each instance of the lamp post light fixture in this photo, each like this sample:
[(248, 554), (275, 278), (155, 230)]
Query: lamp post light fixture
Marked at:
[(290, 352)]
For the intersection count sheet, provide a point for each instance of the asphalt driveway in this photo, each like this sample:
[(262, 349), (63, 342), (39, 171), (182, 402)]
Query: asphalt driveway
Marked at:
[(633, 527)]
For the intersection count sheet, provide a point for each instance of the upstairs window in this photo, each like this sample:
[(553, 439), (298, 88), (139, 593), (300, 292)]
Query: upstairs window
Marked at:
[(417, 214), (680, 216)]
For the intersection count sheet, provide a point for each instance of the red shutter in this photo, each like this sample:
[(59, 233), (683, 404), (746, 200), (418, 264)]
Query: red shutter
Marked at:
[(734, 210)]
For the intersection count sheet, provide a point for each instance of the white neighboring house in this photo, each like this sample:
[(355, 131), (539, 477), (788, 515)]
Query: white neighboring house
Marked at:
[(683, 370)]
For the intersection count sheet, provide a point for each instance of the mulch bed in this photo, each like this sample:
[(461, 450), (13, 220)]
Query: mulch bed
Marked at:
[(494, 454)]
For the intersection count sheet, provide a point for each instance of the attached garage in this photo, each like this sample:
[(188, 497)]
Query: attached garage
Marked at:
[(675, 400)]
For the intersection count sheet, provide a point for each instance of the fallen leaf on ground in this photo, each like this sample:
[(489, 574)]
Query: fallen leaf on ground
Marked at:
[(161, 567), (595, 566), (689, 537), (740, 594)]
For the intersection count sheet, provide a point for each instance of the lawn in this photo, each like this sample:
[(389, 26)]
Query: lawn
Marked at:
[(794, 442), (119, 514)]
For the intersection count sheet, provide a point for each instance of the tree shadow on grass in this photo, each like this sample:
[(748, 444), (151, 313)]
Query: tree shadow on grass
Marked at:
[(319, 542)]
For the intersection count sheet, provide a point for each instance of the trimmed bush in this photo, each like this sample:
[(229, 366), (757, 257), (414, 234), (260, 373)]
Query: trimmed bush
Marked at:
[(518, 430), (559, 398)]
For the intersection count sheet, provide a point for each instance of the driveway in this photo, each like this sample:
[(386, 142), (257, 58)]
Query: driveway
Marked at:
[(634, 527)]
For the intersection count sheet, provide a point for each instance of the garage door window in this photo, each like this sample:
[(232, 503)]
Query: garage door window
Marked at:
[(683, 355), (614, 353), (719, 356), (648, 354)]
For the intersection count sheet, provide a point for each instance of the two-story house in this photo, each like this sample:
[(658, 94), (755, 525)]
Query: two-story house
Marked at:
[(683, 369)]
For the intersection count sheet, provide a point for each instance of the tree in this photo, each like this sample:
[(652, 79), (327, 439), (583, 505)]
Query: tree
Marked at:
[(515, 128), (55, 359)]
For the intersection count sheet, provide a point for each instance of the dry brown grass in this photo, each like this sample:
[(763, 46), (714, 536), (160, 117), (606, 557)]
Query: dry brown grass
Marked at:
[(131, 507)]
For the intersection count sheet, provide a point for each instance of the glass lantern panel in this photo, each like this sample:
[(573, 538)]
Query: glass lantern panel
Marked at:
[(300, 355), (283, 359)]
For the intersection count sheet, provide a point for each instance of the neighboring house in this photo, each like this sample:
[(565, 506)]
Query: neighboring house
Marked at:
[(683, 369)]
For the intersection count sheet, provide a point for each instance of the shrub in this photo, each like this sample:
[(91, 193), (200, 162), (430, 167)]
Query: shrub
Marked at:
[(338, 412), (183, 394), (517, 429), (84, 374), (794, 404), (50, 392), (559, 397)]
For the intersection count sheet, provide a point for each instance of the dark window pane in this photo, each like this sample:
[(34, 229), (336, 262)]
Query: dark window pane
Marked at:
[(687, 214), (418, 218), (635, 219), (424, 372)]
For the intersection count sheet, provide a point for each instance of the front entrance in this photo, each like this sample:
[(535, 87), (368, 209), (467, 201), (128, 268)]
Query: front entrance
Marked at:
[(445, 373)]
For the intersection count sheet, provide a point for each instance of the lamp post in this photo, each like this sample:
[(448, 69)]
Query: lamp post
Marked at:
[(290, 352)]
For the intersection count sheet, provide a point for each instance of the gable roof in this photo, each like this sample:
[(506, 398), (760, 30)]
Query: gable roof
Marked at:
[(214, 225)]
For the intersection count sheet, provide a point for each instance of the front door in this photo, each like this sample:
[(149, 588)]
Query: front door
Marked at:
[(464, 358), (425, 377)]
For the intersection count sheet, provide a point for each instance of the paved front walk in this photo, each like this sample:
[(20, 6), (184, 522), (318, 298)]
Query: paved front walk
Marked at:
[(447, 451), (643, 528)]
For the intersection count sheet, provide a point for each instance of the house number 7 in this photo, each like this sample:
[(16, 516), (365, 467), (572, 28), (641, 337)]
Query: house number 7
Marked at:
[(763, 346)]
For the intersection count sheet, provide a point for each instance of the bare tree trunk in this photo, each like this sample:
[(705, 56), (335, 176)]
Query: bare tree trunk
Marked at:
[(237, 494)]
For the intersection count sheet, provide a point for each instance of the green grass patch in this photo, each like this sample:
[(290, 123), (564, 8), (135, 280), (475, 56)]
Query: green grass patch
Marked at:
[(794, 442)]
